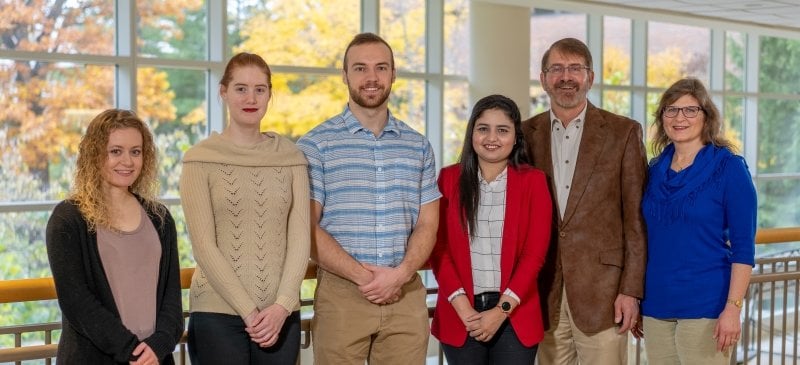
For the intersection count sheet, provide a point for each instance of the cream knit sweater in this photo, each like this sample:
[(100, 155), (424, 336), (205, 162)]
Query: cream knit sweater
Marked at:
[(247, 213)]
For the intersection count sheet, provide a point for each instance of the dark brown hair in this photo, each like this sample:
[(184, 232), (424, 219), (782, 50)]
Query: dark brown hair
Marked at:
[(568, 46), (366, 38)]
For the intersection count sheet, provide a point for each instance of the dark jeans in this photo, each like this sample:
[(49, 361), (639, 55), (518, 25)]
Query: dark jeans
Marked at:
[(216, 338), (503, 349)]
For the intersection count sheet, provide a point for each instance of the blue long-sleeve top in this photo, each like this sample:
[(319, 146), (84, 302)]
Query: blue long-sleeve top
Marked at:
[(699, 222)]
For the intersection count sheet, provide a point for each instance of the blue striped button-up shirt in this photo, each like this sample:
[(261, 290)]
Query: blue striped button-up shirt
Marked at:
[(371, 188)]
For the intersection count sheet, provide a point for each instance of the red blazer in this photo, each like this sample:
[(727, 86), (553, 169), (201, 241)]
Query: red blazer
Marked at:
[(526, 234)]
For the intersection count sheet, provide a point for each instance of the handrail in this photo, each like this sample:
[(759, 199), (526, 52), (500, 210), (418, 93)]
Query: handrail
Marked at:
[(27, 290), (24, 290), (778, 235)]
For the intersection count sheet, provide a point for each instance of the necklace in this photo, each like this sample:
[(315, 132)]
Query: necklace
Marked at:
[(680, 166)]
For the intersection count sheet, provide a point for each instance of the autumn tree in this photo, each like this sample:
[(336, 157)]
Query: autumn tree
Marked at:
[(45, 105)]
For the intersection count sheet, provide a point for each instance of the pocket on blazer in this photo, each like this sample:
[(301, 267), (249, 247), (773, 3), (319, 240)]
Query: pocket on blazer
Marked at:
[(614, 257)]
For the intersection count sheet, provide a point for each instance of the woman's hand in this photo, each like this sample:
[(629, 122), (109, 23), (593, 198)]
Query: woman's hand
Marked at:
[(483, 326), (266, 325), (145, 354), (728, 328)]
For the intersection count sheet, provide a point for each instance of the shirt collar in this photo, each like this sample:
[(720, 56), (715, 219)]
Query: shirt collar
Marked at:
[(577, 121), (354, 126), (500, 177)]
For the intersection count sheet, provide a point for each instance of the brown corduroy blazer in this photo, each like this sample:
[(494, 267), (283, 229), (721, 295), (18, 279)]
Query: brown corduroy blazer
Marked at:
[(598, 249)]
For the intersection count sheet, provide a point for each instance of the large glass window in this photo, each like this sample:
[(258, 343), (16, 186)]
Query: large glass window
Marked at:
[(301, 101), (456, 109), (293, 32), (172, 29), (69, 27), (675, 51), (407, 102), (616, 51), (548, 26), (734, 61), (173, 103), (456, 37), (44, 109), (402, 24)]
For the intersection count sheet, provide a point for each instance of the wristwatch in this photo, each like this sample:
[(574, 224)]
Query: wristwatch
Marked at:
[(505, 307), (736, 302)]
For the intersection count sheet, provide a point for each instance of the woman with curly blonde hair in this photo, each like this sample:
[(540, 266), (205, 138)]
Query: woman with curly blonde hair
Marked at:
[(113, 251)]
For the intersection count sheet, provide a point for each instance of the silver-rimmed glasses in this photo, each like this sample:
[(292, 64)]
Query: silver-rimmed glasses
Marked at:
[(560, 69)]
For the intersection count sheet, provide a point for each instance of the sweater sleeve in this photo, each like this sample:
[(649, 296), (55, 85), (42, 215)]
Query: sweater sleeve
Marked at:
[(199, 213), (169, 319), (298, 243), (740, 211), (81, 304)]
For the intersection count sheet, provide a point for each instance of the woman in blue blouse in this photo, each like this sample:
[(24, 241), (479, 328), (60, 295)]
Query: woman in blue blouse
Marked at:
[(700, 209)]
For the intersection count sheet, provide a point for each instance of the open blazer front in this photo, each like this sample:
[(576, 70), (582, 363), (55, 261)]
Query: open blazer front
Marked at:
[(599, 248), (526, 235)]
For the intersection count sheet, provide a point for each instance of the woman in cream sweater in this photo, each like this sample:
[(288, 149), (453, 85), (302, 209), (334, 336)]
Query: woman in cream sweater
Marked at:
[(245, 197)]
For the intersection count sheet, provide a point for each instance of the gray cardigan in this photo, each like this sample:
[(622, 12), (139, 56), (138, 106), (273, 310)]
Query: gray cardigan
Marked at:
[(92, 331)]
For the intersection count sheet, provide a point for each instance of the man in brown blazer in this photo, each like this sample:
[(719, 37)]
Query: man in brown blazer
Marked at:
[(596, 167)]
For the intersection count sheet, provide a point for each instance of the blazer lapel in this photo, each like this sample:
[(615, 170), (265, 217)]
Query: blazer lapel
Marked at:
[(594, 135), (542, 137), (542, 141)]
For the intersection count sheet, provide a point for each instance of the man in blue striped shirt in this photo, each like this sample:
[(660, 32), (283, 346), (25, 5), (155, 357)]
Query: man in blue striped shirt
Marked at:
[(374, 216)]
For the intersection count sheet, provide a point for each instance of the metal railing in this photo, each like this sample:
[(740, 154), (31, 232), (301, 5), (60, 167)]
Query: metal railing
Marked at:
[(769, 332)]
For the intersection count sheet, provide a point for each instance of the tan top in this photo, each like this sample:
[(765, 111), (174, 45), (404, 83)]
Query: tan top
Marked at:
[(247, 212), (130, 261)]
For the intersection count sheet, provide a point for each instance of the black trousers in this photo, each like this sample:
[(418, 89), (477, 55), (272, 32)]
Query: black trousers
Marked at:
[(216, 338), (503, 349)]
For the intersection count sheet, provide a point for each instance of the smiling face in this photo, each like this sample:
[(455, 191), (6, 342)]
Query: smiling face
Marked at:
[(369, 74), (683, 130), (493, 137), (124, 158), (246, 95), (567, 89)]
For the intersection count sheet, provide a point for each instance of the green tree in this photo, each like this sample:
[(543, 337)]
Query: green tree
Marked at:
[(778, 126)]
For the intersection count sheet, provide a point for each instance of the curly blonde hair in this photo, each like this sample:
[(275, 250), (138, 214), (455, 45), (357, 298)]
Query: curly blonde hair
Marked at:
[(87, 189)]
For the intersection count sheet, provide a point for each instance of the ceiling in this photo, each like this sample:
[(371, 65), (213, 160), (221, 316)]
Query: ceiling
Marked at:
[(780, 14)]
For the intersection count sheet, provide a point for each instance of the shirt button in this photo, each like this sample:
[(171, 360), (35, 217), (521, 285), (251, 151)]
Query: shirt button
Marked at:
[(567, 161), (380, 169), (567, 137), (567, 186)]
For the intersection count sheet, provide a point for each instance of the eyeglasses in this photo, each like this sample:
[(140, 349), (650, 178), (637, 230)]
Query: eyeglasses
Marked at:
[(688, 111), (572, 69)]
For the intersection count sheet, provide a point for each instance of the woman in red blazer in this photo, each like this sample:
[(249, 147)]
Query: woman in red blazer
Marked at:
[(494, 230)]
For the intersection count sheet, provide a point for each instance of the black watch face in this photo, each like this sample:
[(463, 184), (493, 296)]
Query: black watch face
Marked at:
[(506, 306)]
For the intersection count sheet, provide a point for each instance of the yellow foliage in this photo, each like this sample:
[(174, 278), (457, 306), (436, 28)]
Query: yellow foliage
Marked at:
[(665, 67), (155, 96)]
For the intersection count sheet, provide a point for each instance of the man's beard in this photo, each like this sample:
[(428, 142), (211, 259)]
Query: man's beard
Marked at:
[(568, 101), (369, 102)]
